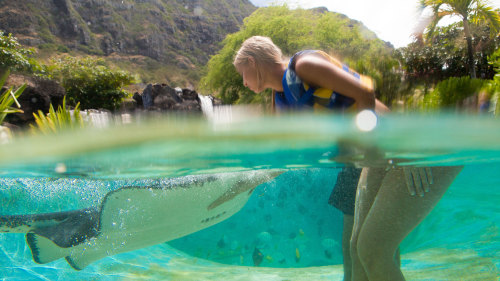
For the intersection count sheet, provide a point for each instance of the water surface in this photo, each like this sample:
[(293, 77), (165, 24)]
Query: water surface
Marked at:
[(287, 218)]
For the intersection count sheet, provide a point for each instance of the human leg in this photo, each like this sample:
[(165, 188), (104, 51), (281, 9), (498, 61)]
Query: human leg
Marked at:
[(368, 186), (343, 198), (346, 245), (348, 222), (391, 217)]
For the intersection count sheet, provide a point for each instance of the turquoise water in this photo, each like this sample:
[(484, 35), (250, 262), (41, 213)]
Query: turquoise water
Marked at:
[(287, 218)]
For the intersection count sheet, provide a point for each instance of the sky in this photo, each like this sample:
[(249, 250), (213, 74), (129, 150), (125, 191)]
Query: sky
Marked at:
[(392, 20)]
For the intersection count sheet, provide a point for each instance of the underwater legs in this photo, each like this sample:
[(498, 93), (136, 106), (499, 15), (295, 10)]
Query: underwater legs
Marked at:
[(368, 186), (346, 245), (390, 218)]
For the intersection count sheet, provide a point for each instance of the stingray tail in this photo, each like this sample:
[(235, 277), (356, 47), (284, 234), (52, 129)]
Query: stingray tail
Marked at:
[(43, 249), (79, 260)]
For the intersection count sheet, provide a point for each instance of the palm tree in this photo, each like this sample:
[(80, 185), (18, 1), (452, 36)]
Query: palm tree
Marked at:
[(475, 11)]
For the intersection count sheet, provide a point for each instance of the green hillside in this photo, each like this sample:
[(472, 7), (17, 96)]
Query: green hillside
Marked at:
[(163, 41)]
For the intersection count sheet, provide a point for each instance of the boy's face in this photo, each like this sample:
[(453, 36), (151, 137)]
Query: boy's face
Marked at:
[(250, 77)]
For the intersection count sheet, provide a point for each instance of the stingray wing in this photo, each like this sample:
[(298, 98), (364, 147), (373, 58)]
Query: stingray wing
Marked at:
[(136, 217), (183, 206)]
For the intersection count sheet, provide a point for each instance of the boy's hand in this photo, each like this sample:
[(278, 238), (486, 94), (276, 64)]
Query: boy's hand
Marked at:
[(418, 180)]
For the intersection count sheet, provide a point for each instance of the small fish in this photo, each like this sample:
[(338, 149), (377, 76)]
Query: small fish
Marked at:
[(297, 255), (269, 258), (301, 232), (221, 243), (257, 257), (328, 254)]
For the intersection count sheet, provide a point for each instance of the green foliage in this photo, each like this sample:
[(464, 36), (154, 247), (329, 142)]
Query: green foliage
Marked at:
[(13, 56), (446, 55), (494, 60), (494, 87), (90, 82), (292, 31), (443, 57), (495, 100), (475, 11), (469, 11), (492, 91), (451, 92), (54, 47), (8, 98), (383, 68), (56, 121)]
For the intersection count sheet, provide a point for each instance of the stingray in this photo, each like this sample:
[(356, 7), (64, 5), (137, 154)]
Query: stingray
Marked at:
[(134, 217)]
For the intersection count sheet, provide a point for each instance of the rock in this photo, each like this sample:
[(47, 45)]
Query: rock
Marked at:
[(138, 99), (216, 101), (165, 97), (188, 105), (147, 97), (38, 95), (161, 97), (188, 94)]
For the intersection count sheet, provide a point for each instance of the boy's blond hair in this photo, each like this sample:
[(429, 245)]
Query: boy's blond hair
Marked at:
[(262, 50)]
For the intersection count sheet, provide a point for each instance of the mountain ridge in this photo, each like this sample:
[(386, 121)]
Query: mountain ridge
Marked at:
[(179, 35)]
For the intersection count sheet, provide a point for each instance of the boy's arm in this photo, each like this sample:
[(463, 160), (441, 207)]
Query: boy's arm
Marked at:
[(317, 71)]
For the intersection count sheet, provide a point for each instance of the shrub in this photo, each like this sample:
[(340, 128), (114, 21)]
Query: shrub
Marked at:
[(451, 92), (13, 56), (91, 83), (58, 120), (8, 98)]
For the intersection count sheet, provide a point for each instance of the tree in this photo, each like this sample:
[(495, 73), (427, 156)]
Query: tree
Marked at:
[(445, 55), (474, 11)]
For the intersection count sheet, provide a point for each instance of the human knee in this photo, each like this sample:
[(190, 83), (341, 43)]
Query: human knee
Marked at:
[(353, 245), (372, 253)]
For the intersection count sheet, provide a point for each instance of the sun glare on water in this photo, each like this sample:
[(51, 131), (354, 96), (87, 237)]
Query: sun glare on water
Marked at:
[(366, 120)]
